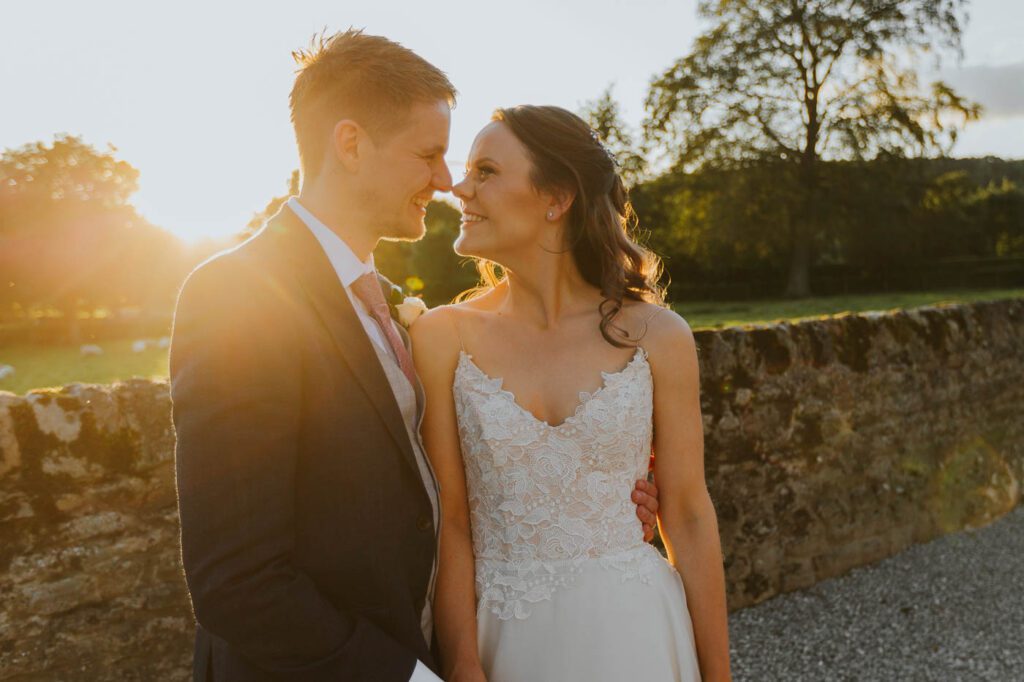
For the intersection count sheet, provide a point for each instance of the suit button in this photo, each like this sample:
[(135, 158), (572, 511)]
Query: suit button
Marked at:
[(425, 523)]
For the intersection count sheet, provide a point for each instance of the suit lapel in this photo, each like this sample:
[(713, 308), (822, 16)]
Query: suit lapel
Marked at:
[(331, 303)]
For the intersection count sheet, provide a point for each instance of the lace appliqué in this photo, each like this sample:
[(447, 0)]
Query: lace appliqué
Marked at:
[(546, 499)]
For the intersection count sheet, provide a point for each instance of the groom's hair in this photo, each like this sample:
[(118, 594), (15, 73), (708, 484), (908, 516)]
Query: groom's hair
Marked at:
[(369, 79)]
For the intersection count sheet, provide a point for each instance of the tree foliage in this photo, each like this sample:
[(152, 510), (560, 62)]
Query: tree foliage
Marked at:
[(273, 206), (43, 185), (797, 81), (605, 117), (430, 267), (69, 238), (721, 231)]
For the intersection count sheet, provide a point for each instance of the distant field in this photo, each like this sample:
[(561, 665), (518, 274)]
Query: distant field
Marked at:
[(717, 314), (46, 366)]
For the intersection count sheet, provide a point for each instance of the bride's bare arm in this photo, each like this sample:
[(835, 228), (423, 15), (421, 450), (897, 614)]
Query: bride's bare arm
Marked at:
[(436, 354), (686, 515)]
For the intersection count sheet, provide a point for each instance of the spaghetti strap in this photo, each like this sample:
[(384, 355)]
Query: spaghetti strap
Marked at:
[(651, 316), (458, 332), (645, 323)]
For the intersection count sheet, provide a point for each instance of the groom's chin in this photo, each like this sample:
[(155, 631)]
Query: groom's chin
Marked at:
[(406, 233)]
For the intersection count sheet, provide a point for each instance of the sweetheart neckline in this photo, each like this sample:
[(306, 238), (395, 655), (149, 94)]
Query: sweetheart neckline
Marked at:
[(586, 397)]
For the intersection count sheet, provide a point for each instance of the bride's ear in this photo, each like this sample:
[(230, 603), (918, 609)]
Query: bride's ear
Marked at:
[(347, 138), (559, 204)]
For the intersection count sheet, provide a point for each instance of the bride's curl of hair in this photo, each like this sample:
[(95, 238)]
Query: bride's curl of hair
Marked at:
[(567, 156)]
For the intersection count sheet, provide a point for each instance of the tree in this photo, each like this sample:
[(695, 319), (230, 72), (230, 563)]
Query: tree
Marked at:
[(717, 230), (69, 238), (272, 207), (41, 186), (604, 116), (801, 81), (430, 267)]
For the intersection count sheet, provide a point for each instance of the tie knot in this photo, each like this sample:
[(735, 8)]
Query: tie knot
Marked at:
[(367, 289)]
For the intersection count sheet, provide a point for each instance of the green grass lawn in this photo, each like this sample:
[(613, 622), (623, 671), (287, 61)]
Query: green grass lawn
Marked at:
[(38, 366), (47, 366)]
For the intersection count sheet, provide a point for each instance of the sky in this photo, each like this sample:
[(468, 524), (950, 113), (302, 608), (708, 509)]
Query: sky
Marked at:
[(195, 93)]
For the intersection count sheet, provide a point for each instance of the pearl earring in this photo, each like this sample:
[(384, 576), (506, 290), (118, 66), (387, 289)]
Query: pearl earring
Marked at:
[(551, 214)]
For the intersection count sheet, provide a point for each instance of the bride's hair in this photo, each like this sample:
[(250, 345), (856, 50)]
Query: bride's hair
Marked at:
[(567, 156)]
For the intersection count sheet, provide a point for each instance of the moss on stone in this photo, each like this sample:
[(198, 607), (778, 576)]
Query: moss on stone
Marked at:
[(113, 450), (916, 465), (774, 354), (68, 404), (814, 333), (810, 430), (39, 490), (853, 342), (936, 330), (972, 486)]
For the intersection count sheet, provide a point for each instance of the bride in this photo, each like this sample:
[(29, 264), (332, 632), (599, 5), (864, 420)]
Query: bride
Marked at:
[(544, 394)]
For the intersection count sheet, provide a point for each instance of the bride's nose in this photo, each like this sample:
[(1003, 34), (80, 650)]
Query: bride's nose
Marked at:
[(462, 190)]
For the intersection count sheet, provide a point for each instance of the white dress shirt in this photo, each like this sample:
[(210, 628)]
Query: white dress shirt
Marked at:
[(346, 264), (349, 268)]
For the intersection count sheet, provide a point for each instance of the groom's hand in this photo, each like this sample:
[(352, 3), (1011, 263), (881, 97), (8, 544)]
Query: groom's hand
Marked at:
[(645, 495)]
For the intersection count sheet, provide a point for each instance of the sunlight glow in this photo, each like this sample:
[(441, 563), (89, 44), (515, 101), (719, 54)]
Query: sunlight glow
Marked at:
[(200, 107)]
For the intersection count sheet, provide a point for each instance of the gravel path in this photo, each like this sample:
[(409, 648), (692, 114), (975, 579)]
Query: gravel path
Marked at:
[(952, 609)]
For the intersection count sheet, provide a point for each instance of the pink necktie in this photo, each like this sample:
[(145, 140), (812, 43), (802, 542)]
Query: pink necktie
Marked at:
[(367, 288)]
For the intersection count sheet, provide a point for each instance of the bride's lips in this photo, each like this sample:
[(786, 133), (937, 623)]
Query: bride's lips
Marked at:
[(470, 218)]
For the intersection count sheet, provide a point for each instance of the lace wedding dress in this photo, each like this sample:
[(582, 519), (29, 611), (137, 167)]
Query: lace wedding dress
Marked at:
[(566, 587)]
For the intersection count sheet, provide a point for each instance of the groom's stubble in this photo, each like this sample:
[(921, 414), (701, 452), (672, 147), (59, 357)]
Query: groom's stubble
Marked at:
[(402, 106)]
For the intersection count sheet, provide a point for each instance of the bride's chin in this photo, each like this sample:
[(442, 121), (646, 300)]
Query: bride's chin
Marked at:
[(464, 246)]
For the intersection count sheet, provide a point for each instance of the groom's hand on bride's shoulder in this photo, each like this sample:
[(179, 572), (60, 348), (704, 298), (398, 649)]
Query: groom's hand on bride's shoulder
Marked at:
[(645, 495)]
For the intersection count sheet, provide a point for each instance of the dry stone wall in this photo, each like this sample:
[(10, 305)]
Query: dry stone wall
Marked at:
[(834, 443), (90, 576), (829, 444)]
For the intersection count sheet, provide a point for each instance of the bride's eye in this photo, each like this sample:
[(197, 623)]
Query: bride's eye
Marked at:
[(480, 173)]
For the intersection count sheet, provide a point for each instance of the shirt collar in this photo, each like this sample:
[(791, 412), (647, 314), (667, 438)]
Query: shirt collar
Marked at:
[(346, 264)]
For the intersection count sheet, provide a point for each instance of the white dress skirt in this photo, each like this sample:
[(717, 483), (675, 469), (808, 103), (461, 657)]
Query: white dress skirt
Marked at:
[(597, 628), (567, 591)]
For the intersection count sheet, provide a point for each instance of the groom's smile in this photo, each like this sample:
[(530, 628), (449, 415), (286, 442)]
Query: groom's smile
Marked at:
[(411, 165), (421, 203)]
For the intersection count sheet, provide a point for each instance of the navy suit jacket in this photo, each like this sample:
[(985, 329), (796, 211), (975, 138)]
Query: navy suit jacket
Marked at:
[(307, 535)]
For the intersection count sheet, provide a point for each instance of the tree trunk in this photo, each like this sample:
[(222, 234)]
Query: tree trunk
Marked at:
[(798, 283)]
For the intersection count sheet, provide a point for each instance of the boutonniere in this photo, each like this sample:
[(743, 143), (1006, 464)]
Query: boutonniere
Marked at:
[(409, 309), (405, 309)]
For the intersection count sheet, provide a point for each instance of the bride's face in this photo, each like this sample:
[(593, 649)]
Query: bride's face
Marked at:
[(502, 211)]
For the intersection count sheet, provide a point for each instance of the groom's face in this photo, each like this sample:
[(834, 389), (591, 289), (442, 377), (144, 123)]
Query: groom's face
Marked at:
[(404, 171)]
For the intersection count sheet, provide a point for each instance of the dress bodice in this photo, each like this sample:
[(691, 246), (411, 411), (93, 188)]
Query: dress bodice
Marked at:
[(544, 499)]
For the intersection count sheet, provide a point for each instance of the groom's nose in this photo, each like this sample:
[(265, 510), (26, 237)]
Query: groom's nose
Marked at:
[(442, 179)]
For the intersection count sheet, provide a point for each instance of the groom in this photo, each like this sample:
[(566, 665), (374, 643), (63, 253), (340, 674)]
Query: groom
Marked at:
[(309, 511)]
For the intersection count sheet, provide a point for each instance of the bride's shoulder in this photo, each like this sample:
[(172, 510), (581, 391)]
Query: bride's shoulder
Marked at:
[(435, 337), (662, 332)]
